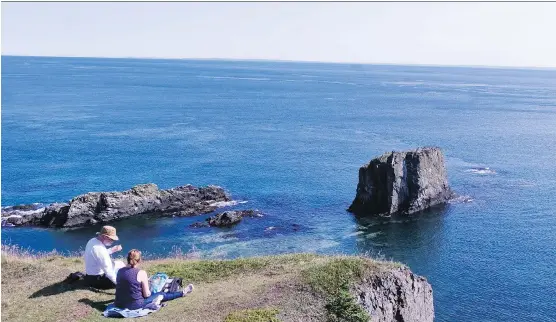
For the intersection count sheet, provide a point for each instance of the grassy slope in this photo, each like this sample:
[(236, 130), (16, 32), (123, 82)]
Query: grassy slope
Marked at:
[(276, 288)]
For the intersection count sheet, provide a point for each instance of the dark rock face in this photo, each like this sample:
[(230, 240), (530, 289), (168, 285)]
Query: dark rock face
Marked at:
[(402, 182), (230, 218), (17, 217), (103, 207), (227, 218), (396, 295), (55, 215), (250, 213)]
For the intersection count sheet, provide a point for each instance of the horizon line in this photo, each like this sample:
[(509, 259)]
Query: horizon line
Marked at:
[(295, 61)]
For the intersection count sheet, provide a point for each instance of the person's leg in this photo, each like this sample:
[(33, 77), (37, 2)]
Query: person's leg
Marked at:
[(99, 281), (164, 297), (151, 298), (105, 283), (168, 296)]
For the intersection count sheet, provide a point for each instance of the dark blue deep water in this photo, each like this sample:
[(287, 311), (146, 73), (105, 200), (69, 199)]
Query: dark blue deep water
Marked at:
[(289, 138)]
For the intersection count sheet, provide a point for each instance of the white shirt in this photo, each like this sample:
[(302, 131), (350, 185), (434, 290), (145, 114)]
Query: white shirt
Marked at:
[(98, 261)]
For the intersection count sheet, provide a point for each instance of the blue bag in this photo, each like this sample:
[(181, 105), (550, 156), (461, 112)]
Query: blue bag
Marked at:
[(157, 282)]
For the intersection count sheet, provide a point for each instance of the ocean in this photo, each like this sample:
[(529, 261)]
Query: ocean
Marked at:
[(288, 139)]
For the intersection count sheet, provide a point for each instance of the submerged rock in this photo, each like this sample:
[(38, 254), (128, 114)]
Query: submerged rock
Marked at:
[(102, 207), (227, 218), (230, 218), (199, 224), (283, 229), (402, 182)]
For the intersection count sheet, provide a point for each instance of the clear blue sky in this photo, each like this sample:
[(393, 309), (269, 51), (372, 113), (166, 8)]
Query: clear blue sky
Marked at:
[(492, 34)]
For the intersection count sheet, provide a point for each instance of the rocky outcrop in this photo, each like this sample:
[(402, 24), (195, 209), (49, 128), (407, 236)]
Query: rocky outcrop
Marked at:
[(227, 218), (396, 295), (22, 215), (402, 182), (102, 207)]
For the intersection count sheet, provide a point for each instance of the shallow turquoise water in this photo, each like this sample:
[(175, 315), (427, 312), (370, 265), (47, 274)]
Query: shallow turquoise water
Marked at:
[(289, 138)]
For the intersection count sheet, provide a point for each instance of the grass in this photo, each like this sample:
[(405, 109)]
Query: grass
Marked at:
[(253, 315), (333, 279), (214, 270), (299, 287)]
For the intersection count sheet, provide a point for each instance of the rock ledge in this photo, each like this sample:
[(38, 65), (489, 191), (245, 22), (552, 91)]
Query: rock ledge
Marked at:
[(103, 207)]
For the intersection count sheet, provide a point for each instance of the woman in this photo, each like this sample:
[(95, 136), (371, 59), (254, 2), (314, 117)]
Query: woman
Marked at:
[(132, 286)]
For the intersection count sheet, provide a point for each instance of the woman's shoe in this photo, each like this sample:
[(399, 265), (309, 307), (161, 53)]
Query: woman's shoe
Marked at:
[(188, 289)]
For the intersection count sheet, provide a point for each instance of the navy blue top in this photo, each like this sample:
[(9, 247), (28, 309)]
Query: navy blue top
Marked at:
[(129, 294)]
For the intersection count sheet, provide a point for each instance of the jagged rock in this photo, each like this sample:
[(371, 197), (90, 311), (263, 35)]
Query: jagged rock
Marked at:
[(33, 206), (230, 218), (55, 215), (101, 207), (396, 295), (227, 218), (402, 182), (251, 213), (22, 215)]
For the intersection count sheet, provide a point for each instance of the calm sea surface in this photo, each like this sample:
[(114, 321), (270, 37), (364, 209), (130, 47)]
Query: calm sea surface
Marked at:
[(288, 138)]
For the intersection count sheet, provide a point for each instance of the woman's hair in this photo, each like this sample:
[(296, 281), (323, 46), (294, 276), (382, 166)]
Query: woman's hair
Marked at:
[(133, 257)]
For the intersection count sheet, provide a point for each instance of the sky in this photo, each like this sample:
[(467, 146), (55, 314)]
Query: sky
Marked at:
[(458, 33)]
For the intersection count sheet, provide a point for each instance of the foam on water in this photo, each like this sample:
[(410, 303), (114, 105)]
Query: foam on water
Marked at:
[(484, 171)]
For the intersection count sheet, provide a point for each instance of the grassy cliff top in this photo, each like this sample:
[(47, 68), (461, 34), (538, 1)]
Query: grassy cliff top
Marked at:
[(297, 287)]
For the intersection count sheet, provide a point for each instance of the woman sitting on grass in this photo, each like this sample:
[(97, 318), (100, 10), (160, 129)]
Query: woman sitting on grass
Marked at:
[(132, 286)]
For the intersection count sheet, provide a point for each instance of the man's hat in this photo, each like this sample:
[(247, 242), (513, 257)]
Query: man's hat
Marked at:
[(109, 232)]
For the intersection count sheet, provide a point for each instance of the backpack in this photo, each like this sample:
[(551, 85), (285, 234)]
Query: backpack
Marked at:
[(174, 285)]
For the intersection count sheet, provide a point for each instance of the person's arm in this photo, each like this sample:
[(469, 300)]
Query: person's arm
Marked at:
[(106, 263), (144, 279), (114, 249)]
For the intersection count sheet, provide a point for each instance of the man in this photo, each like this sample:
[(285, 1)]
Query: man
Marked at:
[(100, 270)]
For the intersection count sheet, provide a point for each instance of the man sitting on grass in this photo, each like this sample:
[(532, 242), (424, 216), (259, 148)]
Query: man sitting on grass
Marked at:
[(100, 270)]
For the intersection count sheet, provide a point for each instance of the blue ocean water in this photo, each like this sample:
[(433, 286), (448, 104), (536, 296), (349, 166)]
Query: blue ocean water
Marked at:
[(288, 138)]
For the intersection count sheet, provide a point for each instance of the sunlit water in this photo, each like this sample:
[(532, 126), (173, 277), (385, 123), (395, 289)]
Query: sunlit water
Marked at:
[(289, 138)]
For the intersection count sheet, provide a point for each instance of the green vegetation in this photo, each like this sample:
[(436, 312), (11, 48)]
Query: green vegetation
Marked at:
[(300, 287), (214, 270), (253, 315), (342, 307), (333, 279)]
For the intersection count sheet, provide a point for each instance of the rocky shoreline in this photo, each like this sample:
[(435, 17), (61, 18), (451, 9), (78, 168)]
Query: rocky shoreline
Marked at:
[(103, 207)]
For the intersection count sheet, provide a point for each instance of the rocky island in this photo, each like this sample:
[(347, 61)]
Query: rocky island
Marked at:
[(102, 207), (402, 183)]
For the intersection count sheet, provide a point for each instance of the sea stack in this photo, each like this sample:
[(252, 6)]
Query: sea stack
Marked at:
[(402, 183)]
